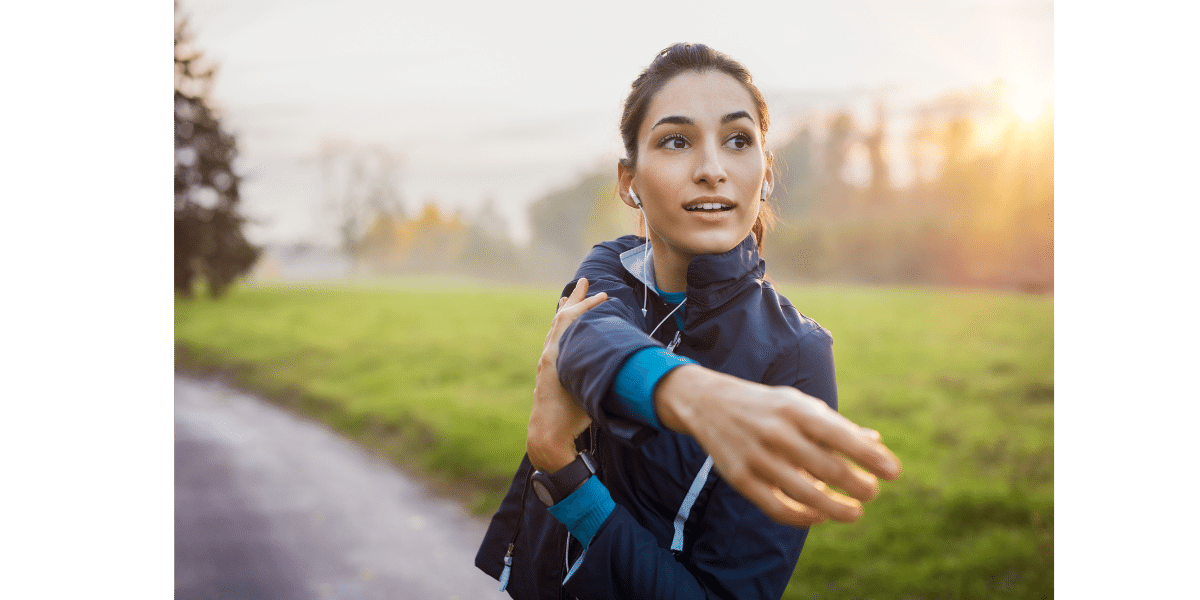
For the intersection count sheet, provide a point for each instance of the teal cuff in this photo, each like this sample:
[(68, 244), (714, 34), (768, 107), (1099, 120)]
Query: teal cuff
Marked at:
[(639, 376), (585, 510)]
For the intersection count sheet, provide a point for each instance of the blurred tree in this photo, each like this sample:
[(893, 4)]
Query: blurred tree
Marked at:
[(486, 249), (565, 224), (923, 150), (383, 245), (434, 241), (209, 244), (797, 187), (881, 186), (838, 139), (361, 189)]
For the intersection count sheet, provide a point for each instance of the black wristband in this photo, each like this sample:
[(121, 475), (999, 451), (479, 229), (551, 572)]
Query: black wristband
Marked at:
[(551, 488)]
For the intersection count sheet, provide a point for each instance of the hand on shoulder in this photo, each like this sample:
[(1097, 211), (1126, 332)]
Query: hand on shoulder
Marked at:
[(556, 418)]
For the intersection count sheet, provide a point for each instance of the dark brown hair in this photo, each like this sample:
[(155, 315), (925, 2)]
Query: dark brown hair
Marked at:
[(682, 58)]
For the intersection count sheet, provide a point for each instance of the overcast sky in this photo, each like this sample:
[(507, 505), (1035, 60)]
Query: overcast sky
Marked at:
[(509, 100)]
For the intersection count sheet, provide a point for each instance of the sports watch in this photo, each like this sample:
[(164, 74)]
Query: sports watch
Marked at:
[(551, 488)]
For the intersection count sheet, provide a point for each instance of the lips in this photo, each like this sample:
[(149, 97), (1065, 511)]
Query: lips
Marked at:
[(708, 205)]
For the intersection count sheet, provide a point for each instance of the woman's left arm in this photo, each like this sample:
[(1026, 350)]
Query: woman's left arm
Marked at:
[(556, 419), (596, 346)]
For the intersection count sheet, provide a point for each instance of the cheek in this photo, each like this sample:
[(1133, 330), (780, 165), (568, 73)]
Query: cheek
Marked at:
[(752, 176), (666, 191)]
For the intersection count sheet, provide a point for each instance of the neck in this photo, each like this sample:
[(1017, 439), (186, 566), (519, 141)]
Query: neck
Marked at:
[(670, 268)]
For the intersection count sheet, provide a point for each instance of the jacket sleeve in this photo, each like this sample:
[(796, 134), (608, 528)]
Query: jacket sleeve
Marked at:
[(738, 553), (807, 365), (594, 348)]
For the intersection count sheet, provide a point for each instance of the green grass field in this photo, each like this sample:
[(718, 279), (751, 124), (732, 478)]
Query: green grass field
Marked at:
[(960, 384)]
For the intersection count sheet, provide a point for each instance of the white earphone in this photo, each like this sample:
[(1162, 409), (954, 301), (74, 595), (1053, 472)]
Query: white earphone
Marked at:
[(645, 255), (766, 191), (646, 271)]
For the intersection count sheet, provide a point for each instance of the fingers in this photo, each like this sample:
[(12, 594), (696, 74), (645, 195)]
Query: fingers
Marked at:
[(569, 309), (837, 433), (810, 515), (803, 487), (577, 302), (781, 508), (584, 305), (801, 459), (579, 292), (590, 303), (821, 464), (546, 341), (871, 434)]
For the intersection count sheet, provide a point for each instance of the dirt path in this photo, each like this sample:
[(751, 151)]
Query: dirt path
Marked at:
[(269, 505)]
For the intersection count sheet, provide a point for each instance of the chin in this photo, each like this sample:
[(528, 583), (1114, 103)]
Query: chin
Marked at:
[(716, 244)]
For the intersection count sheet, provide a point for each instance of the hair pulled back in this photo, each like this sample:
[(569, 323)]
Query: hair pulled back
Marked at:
[(682, 58)]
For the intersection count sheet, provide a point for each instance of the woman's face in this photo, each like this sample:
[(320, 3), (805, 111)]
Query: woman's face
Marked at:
[(701, 165)]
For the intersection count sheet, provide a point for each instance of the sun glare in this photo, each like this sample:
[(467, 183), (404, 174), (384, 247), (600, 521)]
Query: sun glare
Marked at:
[(1026, 103)]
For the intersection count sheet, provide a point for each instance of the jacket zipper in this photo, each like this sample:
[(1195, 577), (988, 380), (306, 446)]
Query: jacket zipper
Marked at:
[(508, 556)]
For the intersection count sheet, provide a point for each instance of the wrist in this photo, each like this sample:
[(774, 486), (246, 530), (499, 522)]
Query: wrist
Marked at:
[(552, 488), (585, 510), (677, 394), (550, 456)]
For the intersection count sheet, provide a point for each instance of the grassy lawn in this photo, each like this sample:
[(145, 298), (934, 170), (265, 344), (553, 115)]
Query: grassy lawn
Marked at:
[(439, 379)]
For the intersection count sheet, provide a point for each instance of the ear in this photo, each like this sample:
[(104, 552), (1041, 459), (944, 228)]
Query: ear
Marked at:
[(624, 183), (769, 179)]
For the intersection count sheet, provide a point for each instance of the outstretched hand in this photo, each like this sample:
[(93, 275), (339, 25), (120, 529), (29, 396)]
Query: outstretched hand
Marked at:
[(556, 418), (782, 449)]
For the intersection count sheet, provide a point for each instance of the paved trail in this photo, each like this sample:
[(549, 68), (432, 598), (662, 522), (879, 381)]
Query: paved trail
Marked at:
[(271, 506)]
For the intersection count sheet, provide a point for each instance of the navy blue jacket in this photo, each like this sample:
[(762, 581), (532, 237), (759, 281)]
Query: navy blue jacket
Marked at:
[(734, 322)]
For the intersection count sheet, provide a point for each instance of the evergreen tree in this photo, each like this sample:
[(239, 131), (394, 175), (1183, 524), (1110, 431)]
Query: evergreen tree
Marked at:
[(209, 244)]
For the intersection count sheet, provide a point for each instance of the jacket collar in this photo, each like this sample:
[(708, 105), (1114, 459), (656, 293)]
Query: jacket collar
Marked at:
[(639, 262), (712, 279)]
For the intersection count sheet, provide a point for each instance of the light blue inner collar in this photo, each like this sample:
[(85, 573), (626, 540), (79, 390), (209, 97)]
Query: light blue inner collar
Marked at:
[(672, 297), (640, 264)]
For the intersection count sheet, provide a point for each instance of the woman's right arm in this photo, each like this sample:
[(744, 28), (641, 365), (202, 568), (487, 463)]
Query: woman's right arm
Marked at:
[(764, 440)]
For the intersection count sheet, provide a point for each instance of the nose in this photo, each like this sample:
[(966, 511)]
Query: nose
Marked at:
[(709, 169)]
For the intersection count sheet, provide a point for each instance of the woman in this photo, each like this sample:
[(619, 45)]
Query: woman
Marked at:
[(686, 360)]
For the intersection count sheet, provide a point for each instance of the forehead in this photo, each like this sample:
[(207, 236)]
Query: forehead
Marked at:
[(703, 97)]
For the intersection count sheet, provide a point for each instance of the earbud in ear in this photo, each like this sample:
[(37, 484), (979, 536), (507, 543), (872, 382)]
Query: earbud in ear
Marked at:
[(646, 252), (766, 191)]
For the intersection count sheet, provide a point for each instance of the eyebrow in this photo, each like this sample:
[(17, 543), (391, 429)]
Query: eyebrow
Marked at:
[(678, 120), (733, 116)]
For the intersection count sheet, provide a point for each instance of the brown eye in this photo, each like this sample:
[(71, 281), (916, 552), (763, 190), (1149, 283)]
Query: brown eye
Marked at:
[(674, 142), (740, 141)]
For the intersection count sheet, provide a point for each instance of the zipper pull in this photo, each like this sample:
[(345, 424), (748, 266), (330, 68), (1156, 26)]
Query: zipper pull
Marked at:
[(674, 342), (507, 568)]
